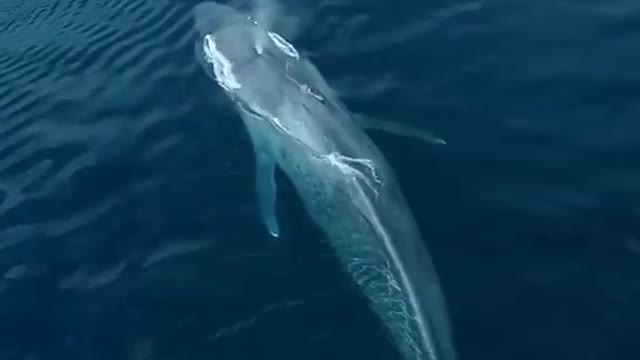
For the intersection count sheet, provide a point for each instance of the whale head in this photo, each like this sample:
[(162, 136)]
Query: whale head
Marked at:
[(255, 67), (226, 36)]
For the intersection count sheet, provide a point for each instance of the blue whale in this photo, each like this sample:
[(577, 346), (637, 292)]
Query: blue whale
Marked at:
[(297, 122)]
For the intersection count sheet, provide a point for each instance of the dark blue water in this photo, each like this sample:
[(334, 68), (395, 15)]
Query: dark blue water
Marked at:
[(128, 222)]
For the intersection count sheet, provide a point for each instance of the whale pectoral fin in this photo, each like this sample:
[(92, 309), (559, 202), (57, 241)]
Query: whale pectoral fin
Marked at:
[(266, 191), (396, 128)]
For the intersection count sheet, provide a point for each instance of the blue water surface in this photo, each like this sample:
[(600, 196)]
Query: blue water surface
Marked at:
[(128, 221)]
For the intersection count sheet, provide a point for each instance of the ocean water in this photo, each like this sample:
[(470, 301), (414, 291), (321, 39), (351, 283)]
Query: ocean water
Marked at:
[(128, 222)]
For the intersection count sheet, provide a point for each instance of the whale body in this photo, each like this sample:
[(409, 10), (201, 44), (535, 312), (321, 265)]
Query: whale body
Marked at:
[(297, 122)]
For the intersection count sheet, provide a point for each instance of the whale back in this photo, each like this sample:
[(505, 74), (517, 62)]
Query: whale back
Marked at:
[(359, 206)]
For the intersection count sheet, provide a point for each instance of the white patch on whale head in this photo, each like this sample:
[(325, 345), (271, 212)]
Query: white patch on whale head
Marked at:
[(222, 67), (283, 45)]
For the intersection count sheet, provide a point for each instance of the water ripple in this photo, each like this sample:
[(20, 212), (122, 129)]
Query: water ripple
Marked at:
[(69, 73), (90, 91)]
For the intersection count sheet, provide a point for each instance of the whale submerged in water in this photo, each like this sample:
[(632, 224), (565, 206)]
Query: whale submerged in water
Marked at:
[(297, 123)]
